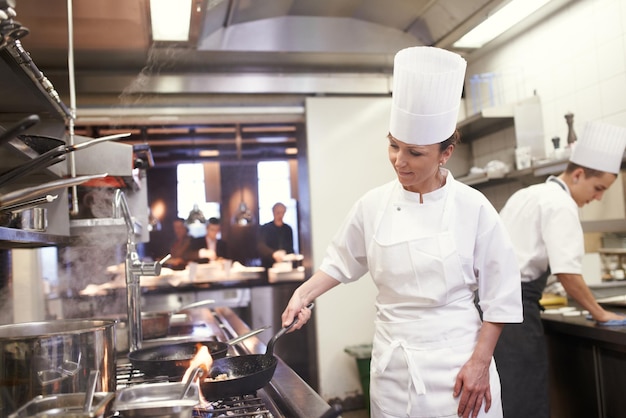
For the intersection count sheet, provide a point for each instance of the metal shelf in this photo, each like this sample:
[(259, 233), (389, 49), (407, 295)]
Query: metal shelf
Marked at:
[(25, 91), (18, 238), (487, 121), (483, 178)]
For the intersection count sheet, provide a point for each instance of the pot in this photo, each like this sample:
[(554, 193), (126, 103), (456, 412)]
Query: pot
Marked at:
[(33, 219), (54, 357), (156, 324), (53, 156), (172, 360), (244, 374)]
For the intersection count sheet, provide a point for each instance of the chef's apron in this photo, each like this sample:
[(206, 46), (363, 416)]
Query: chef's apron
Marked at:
[(522, 356), (421, 342)]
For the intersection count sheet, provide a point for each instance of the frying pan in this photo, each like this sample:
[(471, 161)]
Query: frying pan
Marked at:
[(245, 374), (18, 128), (39, 143), (173, 360), (53, 156), (22, 195)]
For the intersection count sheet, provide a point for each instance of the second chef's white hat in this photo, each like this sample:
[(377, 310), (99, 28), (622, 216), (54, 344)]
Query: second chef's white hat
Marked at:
[(600, 147), (427, 87)]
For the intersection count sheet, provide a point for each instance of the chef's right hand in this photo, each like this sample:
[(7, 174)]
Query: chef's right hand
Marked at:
[(296, 308)]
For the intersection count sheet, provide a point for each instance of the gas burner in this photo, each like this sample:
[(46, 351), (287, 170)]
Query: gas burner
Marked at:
[(241, 406)]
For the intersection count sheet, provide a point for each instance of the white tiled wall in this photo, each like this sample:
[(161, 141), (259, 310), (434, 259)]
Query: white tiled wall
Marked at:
[(575, 61), (497, 146)]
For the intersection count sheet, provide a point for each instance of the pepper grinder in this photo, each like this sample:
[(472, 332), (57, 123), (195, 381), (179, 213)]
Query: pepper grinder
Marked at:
[(571, 135)]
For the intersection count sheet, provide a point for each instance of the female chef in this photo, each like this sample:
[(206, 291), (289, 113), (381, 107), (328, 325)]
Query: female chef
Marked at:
[(428, 242)]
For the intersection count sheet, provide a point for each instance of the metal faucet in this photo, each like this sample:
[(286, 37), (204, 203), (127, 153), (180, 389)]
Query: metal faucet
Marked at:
[(135, 268)]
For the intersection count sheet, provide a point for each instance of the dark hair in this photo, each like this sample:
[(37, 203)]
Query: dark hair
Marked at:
[(213, 221), (454, 139), (278, 204), (179, 219), (589, 172)]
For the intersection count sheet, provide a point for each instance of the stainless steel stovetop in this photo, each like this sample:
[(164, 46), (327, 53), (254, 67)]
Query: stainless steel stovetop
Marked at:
[(275, 400), (254, 405)]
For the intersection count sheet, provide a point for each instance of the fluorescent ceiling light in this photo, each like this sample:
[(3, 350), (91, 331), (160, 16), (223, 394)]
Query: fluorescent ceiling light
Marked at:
[(170, 20), (496, 24)]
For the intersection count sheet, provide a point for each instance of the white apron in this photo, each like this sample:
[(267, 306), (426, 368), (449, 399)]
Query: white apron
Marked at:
[(421, 342)]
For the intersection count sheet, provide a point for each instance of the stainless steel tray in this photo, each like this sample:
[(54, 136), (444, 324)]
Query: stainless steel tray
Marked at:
[(68, 405), (157, 400)]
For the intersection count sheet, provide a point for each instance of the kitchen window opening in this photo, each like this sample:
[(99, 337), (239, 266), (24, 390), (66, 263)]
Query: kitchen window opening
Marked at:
[(190, 191), (274, 185)]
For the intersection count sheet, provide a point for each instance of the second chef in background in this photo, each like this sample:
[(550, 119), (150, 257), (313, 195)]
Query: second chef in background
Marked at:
[(545, 229)]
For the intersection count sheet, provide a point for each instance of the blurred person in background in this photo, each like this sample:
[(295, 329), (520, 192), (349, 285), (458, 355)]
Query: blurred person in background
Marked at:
[(181, 246), (210, 247), (275, 238)]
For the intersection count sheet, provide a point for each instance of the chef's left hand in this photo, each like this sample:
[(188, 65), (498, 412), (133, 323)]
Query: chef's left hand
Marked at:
[(472, 383)]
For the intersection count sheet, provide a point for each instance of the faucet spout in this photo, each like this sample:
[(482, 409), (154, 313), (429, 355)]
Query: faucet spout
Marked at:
[(133, 269), (121, 209)]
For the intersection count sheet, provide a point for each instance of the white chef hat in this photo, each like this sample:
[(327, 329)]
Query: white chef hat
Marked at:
[(600, 147), (427, 86)]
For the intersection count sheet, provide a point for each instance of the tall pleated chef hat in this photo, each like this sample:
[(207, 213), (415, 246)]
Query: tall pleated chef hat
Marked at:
[(600, 147), (427, 86)]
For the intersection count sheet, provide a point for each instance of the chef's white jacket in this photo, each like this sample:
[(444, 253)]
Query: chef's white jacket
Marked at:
[(545, 229), (484, 248)]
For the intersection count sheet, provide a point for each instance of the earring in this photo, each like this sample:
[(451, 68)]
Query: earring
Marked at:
[(440, 164)]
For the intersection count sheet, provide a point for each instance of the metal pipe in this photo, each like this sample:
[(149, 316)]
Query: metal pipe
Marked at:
[(74, 209)]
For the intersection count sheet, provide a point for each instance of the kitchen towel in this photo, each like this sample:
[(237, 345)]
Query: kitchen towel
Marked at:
[(610, 323)]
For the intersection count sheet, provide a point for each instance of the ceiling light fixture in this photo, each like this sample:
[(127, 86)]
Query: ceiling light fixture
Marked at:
[(208, 153), (170, 20), (497, 23)]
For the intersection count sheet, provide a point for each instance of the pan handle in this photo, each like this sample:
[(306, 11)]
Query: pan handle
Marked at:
[(21, 126), (195, 305), (91, 142), (246, 335), (45, 160), (270, 344)]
